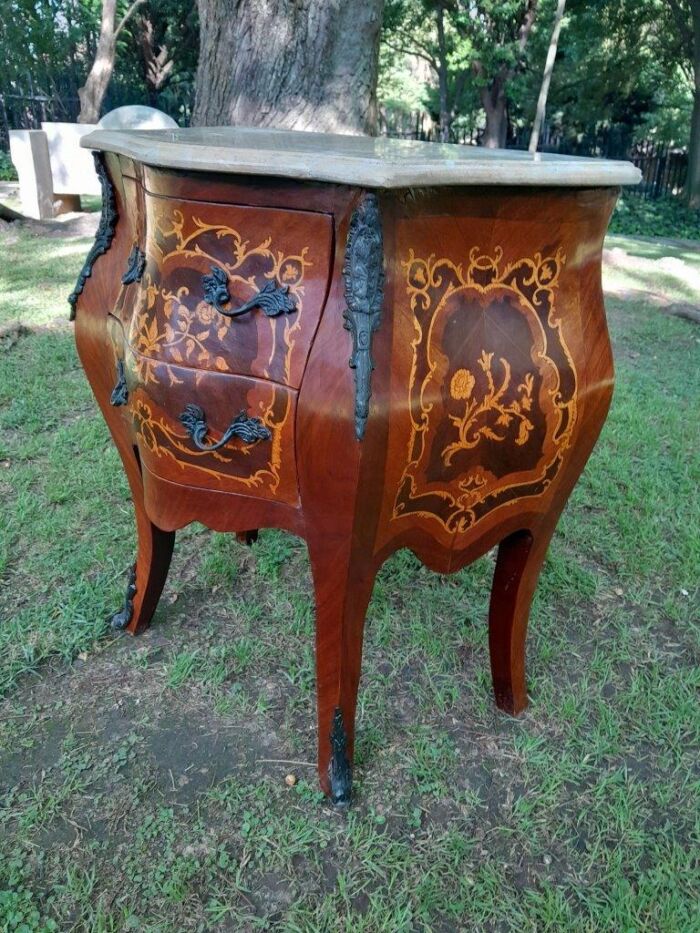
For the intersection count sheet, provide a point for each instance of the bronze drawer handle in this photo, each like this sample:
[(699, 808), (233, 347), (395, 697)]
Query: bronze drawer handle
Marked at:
[(249, 430), (120, 392), (272, 299)]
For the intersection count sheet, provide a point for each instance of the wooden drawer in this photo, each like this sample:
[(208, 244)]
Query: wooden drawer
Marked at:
[(179, 414), (205, 261)]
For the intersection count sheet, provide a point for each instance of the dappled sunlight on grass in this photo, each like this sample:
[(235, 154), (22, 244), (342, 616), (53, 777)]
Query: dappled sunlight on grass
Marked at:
[(37, 273), (663, 273)]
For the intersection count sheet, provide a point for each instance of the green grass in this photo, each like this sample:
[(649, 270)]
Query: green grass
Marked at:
[(142, 781), (660, 217)]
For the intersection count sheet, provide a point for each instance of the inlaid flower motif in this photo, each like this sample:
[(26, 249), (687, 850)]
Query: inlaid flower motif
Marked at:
[(484, 416), (462, 384), (198, 335), (205, 312), (290, 273)]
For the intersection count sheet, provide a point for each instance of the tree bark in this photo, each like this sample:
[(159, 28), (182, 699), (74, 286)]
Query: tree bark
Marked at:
[(692, 187), (493, 95), (547, 77), (445, 115), (92, 93), (493, 100), (294, 64)]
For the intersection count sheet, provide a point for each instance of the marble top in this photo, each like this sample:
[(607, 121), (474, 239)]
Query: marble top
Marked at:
[(372, 162)]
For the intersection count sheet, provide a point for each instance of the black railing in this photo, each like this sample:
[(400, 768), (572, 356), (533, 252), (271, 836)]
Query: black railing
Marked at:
[(663, 167), (29, 111), (20, 111)]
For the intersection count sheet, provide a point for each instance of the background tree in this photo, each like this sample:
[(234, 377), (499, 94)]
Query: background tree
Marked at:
[(421, 29), (42, 45), (165, 44), (92, 93), (547, 77), (296, 65), (475, 47), (499, 32), (48, 47), (685, 17)]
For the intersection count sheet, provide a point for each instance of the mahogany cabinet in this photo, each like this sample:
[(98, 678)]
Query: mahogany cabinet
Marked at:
[(373, 344)]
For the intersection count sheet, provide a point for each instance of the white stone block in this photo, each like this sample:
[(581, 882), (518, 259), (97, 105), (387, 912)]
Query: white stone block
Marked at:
[(30, 153), (72, 168)]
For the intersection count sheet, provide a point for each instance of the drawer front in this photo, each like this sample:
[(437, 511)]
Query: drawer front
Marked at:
[(231, 289), (227, 433)]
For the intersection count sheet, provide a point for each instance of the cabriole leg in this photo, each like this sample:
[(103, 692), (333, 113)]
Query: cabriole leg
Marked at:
[(520, 558), (154, 551), (342, 595)]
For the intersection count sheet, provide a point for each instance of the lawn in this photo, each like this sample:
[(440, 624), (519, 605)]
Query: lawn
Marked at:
[(143, 781)]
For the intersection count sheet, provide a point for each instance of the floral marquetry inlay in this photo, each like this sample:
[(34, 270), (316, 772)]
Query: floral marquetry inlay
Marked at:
[(492, 391), (488, 416), (175, 322)]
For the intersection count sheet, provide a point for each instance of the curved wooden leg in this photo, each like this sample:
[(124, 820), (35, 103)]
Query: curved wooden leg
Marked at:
[(154, 551), (343, 589), (520, 559)]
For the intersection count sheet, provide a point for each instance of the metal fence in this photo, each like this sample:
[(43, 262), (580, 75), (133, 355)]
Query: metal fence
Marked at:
[(23, 108), (664, 168), (29, 111)]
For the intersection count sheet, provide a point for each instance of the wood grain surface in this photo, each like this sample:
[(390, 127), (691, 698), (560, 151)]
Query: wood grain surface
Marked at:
[(492, 379)]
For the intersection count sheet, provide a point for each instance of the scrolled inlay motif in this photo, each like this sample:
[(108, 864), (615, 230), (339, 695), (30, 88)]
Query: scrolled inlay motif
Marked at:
[(190, 325), (493, 386), (162, 440)]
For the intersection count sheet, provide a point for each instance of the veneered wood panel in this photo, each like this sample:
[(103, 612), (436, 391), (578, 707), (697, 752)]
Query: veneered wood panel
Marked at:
[(185, 241), (488, 371), (160, 392)]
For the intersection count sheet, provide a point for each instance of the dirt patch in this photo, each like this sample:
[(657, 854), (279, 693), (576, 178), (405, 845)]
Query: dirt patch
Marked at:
[(11, 334)]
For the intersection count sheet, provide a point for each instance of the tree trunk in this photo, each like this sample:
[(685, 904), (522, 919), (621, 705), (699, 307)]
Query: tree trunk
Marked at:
[(93, 91), (445, 116), (306, 64), (492, 90), (493, 100), (692, 186), (547, 77)]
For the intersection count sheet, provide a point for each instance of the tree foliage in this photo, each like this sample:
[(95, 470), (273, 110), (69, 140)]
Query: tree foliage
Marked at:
[(624, 66), (48, 46), (625, 69)]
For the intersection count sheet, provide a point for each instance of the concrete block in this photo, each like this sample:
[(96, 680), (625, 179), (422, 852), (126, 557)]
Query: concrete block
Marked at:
[(30, 154), (72, 168)]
